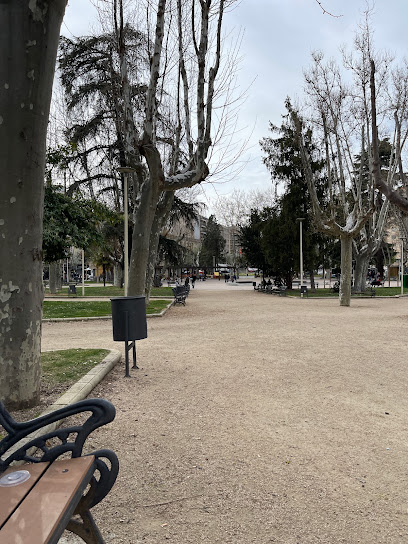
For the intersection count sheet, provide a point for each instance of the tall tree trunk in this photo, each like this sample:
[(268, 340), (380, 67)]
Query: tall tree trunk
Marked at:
[(59, 275), (160, 218), (151, 265), (346, 267), (312, 280), (380, 262), (53, 272), (117, 275), (143, 218), (360, 271), (29, 33), (288, 281)]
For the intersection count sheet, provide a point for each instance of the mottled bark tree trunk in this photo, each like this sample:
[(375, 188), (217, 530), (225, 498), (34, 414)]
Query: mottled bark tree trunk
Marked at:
[(117, 275), (346, 268), (59, 275), (29, 33), (53, 272), (159, 220), (360, 272), (143, 218)]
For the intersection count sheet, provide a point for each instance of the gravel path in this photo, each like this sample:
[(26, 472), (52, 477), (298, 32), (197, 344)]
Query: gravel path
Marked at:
[(257, 419)]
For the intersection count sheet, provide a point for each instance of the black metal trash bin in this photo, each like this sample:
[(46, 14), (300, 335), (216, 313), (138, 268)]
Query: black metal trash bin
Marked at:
[(129, 324), (129, 312), (303, 290), (72, 289)]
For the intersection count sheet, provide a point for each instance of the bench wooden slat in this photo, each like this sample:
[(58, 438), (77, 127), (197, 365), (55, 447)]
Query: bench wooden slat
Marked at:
[(38, 517), (10, 497)]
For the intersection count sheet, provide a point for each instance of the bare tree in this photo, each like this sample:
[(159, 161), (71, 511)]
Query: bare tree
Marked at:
[(176, 137), (348, 117), (234, 209), (349, 198), (324, 10), (394, 186)]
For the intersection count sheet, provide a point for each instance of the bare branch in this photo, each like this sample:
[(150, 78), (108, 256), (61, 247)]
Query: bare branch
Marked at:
[(327, 12)]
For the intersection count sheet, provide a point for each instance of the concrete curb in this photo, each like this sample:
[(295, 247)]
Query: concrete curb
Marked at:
[(81, 389)]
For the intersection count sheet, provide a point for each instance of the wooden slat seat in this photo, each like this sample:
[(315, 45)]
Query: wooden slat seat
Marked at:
[(45, 502)]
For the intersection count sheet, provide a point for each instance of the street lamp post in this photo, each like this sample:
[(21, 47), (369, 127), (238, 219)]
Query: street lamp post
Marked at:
[(126, 170), (300, 219), (83, 273)]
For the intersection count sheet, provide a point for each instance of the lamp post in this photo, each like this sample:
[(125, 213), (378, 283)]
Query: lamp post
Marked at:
[(83, 273), (126, 170), (300, 219)]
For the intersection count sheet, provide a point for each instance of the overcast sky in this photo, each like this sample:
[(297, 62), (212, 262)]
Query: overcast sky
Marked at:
[(279, 36)]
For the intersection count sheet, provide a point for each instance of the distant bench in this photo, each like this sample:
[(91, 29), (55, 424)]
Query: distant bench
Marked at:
[(270, 289), (369, 292), (39, 498), (180, 293)]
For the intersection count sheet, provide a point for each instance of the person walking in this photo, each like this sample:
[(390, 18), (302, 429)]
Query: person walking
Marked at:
[(193, 280)]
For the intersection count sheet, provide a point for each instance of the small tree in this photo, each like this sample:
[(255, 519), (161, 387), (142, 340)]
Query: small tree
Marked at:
[(70, 222)]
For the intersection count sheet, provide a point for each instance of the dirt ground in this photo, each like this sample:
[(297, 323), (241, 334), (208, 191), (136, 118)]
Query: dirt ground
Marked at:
[(257, 419)]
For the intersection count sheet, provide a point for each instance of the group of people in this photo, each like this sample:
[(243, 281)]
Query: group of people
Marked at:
[(374, 277), (193, 279)]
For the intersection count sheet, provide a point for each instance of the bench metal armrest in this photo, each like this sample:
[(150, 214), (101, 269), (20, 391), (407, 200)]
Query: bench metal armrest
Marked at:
[(20, 441), (26, 443)]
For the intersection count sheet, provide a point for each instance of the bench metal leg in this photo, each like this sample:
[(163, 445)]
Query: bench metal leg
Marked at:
[(87, 530)]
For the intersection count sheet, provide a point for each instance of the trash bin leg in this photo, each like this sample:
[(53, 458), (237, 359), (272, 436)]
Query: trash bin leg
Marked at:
[(134, 355), (127, 375)]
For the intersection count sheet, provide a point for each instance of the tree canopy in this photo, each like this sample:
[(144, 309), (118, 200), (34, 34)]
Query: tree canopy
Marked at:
[(70, 221)]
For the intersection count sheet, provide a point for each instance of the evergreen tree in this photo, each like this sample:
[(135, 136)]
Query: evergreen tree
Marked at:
[(282, 158), (213, 244), (91, 79), (251, 240)]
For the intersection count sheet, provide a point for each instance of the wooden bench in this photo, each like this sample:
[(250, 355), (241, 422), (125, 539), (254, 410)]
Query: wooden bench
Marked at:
[(47, 483)]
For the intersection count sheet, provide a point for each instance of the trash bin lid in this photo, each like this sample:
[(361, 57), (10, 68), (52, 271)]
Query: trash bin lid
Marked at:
[(127, 298)]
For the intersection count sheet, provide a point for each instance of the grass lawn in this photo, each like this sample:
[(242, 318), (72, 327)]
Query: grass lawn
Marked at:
[(379, 292), (59, 371), (69, 365), (110, 291), (85, 308)]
